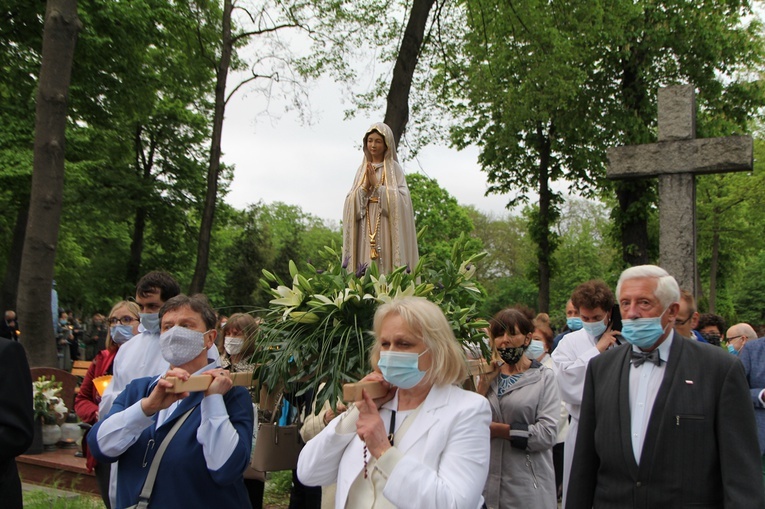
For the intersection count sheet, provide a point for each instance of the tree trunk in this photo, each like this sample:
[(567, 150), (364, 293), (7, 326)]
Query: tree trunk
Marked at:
[(397, 111), (633, 221), (544, 246), (144, 164), (633, 196), (213, 171), (9, 292), (713, 270), (136, 246), (37, 265)]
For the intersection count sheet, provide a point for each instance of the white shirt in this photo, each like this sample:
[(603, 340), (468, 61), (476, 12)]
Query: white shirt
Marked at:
[(570, 361), (216, 434), (645, 381)]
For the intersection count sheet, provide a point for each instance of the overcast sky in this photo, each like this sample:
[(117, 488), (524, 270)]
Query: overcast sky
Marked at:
[(313, 166)]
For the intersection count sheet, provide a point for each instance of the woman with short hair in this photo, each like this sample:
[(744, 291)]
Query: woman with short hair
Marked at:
[(523, 397), (205, 459)]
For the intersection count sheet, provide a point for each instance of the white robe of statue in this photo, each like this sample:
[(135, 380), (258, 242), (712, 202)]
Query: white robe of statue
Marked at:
[(389, 206)]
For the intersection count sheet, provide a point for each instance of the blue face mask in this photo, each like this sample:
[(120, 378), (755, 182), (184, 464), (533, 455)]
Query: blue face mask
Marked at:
[(643, 332), (121, 333), (535, 349), (150, 322), (401, 368), (732, 350), (595, 329), (574, 322)]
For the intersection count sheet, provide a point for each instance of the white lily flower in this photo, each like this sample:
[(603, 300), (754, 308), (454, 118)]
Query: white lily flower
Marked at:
[(289, 296)]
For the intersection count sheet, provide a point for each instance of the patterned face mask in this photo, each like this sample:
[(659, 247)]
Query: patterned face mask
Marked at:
[(180, 345), (511, 355)]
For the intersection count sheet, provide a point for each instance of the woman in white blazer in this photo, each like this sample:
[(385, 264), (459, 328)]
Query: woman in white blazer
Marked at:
[(424, 444)]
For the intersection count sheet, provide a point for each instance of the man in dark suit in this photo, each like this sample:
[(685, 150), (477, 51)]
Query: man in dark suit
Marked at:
[(16, 427), (752, 356), (665, 423)]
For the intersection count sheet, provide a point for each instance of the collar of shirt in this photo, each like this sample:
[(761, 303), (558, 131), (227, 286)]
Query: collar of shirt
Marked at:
[(663, 348)]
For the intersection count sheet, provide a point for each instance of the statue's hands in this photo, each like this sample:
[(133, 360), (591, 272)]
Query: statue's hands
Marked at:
[(371, 178)]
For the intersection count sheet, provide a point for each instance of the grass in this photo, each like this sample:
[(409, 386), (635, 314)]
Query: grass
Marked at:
[(276, 496), (48, 498)]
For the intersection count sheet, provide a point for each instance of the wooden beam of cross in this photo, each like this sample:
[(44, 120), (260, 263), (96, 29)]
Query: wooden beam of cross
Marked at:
[(676, 159)]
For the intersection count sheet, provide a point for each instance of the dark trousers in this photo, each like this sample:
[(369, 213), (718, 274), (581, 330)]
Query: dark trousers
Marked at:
[(302, 496), (255, 490), (10, 485), (102, 471), (558, 466)]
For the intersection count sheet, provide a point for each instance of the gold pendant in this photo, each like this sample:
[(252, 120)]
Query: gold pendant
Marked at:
[(373, 254)]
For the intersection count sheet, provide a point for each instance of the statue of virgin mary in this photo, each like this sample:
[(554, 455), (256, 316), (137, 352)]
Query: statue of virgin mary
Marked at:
[(378, 220)]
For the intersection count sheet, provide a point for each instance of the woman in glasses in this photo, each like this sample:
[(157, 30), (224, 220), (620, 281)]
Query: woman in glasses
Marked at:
[(123, 324)]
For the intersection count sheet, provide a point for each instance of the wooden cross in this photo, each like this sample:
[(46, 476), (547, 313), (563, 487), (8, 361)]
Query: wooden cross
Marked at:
[(676, 159)]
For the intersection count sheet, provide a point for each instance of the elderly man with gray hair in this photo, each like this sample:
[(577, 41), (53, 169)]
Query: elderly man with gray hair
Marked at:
[(664, 423), (738, 335)]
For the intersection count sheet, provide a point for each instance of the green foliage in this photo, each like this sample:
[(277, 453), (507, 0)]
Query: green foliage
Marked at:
[(439, 218), (318, 328), (749, 296)]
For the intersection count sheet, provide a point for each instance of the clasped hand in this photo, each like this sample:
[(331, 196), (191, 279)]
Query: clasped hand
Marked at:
[(161, 397), (370, 427), (371, 177)]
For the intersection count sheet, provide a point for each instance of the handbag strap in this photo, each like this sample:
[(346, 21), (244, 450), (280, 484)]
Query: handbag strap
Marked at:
[(148, 484), (277, 409)]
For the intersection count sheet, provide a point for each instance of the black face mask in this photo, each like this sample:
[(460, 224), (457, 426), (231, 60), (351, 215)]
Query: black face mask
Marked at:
[(712, 338), (512, 354)]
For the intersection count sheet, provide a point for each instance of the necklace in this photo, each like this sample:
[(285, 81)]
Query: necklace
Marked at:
[(391, 436), (374, 252)]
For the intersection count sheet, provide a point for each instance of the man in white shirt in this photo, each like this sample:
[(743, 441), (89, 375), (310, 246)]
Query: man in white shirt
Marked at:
[(657, 414), (594, 302), (141, 356)]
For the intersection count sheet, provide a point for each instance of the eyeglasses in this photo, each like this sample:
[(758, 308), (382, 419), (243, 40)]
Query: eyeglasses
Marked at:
[(682, 322), (735, 338), (125, 320)]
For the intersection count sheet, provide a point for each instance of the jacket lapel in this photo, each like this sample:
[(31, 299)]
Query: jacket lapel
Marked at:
[(625, 416), (426, 417)]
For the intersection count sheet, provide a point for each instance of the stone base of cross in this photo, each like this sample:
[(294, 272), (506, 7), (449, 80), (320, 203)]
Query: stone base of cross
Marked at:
[(676, 159)]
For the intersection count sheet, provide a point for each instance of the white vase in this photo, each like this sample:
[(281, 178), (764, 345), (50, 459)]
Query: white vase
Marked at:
[(70, 435), (51, 434)]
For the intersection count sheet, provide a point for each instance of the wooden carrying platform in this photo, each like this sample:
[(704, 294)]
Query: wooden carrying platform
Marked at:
[(198, 383), (351, 392)]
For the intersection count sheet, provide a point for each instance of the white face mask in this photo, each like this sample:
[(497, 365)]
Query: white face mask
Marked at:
[(233, 345), (180, 345)]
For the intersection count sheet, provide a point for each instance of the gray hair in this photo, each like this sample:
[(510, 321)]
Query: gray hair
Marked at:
[(667, 290), (742, 329)]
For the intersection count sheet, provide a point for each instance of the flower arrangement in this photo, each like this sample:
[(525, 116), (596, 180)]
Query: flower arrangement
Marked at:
[(48, 406), (318, 329)]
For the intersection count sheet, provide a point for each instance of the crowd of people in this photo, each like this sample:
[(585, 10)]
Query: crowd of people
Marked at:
[(625, 408), (635, 404)]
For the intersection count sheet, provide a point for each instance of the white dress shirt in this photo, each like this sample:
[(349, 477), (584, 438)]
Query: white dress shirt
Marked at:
[(645, 381)]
